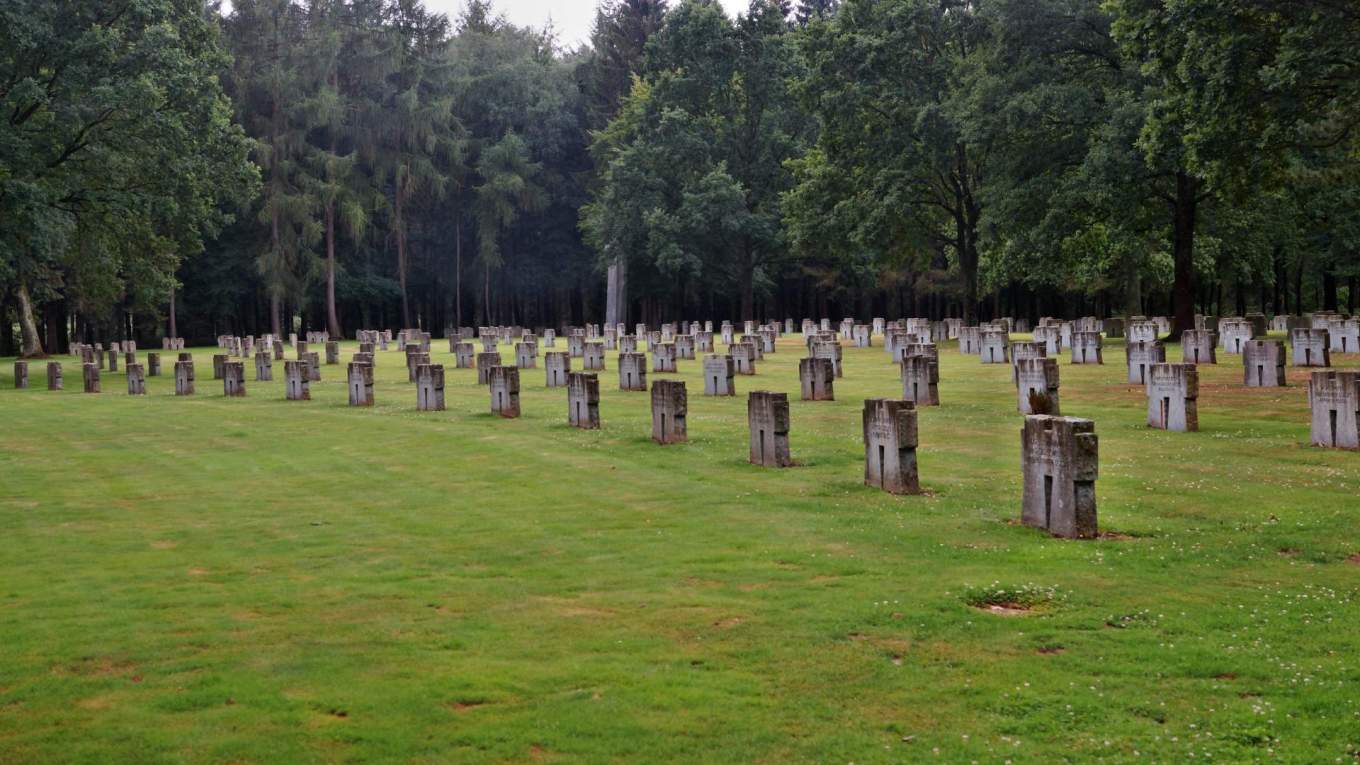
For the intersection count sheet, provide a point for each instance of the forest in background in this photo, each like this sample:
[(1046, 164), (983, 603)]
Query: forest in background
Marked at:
[(171, 168)]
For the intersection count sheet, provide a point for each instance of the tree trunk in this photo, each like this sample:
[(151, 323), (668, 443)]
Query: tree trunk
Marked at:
[(332, 319), (1133, 288), (616, 293), (1329, 302), (400, 231), (1183, 254), (28, 328), (174, 329), (458, 273), (276, 315)]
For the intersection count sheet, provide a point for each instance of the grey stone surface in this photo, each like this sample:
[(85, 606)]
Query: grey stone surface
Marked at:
[(297, 380), (767, 417), (592, 359), (663, 357), (1173, 397), (1234, 333), (1142, 332), (889, 429), (1059, 457), (504, 383), (632, 371), (264, 367), (1087, 347), (20, 374), (670, 408), (921, 380), (359, 379), (486, 361), (1344, 335), (1199, 346), (184, 377), (54, 376), (1022, 351), (1312, 347), (91, 377), (464, 355), (817, 378), (1263, 364), (526, 355), (556, 364), (719, 371), (1140, 356), (1036, 381), (744, 358), (583, 400), (995, 347), (430, 388), (136, 380), (234, 379), (970, 340), (1334, 398)]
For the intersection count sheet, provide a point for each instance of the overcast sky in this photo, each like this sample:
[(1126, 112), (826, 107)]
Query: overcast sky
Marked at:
[(571, 18)]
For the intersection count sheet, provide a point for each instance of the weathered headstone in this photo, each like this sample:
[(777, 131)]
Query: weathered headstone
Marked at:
[(54, 378), (831, 351), (486, 361), (234, 378), (817, 376), (557, 365), (1036, 381), (1142, 332), (583, 400), (219, 365), (1312, 347), (718, 375), (684, 346), (91, 375), (1059, 457), (1087, 348), (184, 377), (111, 356), (153, 364), (20, 374), (1198, 346), (1173, 397), (1234, 334), (332, 352), (1049, 338), (970, 340), (663, 357), (921, 380), (136, 379), (767, 416), (296, 381), (504, 382), (890, 446), (359, 380), (1022, 351), (1139, 356), (526, 355), (1334, 398), (592, 359), (1344, 335), (313, 360), (430, 388), (632, 371), (264, 367), (464, 355), (669, 411), (995, 347), (1263, 364)]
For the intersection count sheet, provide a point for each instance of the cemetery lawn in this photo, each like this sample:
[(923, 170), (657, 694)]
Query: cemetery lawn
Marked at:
[(212, 580)]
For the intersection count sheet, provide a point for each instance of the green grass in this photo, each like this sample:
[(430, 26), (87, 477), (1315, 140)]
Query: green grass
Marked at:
[(257, 580)]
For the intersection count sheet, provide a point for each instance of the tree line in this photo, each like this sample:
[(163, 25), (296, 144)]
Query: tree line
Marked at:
[(171, 167)]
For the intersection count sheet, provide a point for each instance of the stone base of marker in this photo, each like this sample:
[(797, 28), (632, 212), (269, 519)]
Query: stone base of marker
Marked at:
[(670, 409), (1139, 356), (54, 379), (486, 361), (890, 446), (719, 379), (504, 383), (1263, 364), (430, 388), (1059, 458), (920, 380), (817, 378), (184, 377), (1334, 398), (297, 381), (1311, 347), (20, 374), (359, 379), (136, 380), (1173, 397), (1036, 382), (633, 371), (767, 415), (91, 377), (583, 400), (1199, 346)]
